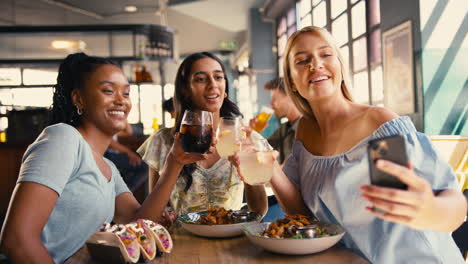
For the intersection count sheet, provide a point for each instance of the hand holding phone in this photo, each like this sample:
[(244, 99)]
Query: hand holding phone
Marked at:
[(389, 148)]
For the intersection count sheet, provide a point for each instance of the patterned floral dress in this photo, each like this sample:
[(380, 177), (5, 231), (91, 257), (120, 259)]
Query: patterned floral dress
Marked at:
[(217, 186)]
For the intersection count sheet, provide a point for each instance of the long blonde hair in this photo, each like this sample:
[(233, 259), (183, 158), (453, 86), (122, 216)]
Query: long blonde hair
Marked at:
[(300, 102)]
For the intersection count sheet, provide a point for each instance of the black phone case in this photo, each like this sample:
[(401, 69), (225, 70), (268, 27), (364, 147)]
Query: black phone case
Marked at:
[(389, 148)]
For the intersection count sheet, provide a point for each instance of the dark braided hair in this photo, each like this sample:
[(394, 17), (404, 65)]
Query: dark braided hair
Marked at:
[(182, 102), (73, 71)]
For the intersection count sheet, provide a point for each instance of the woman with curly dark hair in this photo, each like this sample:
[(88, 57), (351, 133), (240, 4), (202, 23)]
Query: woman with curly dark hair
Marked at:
[(66, 189)]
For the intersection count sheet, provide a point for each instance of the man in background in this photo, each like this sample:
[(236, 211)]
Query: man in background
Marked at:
[(283, 137), (285, 110)]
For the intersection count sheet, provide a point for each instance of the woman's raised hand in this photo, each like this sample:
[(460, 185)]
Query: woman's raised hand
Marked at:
[(415, 207)]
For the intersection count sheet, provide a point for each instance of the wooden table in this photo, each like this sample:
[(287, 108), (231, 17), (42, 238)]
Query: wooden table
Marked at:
[(192, 249)]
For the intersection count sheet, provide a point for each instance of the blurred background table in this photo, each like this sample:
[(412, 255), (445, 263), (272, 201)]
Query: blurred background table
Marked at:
[(192, 249)]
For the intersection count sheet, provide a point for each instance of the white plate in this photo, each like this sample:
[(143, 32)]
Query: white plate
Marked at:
[(230, 230), (293, 246)]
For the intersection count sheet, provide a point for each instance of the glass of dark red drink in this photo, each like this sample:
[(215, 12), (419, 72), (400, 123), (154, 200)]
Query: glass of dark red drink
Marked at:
[(196, 131)]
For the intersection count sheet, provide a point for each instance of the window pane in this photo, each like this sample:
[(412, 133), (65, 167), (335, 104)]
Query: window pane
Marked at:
[(168, 91), (41, 97), (358, 16), (38, 76), (280, 67), (304, 7), (282, 44), (320, 15), (10, 76), (374, 9), (291, 18), (281, 26), (306, 21), (6, 98), (337, 7), (377, 86), (151, 106), (345, 53), (360, 54), (375, 48), (361, 88), (315, 2), (291, 30), (134, 113), (340, 29)]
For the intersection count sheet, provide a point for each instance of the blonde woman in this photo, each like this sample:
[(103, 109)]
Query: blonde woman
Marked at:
[(327, 173)]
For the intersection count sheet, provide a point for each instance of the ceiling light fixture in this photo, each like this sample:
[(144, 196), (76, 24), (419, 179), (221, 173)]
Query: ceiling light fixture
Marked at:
[(130, 9)]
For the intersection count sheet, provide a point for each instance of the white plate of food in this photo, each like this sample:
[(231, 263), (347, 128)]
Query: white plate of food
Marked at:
[(218, 222), (280, 238)]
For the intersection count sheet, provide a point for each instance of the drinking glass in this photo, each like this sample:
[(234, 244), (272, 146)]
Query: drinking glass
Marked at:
[(228, 136), (256, 161), (196, 131), (262, 118)]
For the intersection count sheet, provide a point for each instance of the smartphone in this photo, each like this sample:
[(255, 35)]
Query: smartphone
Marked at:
[(388, 148)]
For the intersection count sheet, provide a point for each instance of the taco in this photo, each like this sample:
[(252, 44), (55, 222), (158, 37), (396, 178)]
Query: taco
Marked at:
[(118, 236), (144, 237), (161, 236)]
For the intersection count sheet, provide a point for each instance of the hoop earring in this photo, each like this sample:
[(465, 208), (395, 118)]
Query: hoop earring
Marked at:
[(78, 110)]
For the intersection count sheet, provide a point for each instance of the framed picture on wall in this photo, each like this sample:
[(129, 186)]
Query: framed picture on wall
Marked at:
[(399, 90)]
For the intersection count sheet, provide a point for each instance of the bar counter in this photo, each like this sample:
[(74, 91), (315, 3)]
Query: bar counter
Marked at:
[(192, 249)]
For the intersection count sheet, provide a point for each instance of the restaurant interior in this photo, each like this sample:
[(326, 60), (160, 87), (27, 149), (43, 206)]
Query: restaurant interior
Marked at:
[(409, 56)]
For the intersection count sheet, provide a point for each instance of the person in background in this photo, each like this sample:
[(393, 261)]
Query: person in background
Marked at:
[(128, 162), (168, 106), (327, 174), (282, 139), (196, 182), (66, 189)]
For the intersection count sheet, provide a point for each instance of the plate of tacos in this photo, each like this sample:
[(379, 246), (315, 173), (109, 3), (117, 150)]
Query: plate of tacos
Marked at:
[(139, 240), (218, 222), (294, 235)]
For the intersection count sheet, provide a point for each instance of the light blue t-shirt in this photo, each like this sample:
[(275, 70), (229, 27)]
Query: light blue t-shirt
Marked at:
[(62, 160), (330, 189)]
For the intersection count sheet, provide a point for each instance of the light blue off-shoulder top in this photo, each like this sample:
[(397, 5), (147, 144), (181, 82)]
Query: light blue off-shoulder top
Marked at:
[(330, 189)]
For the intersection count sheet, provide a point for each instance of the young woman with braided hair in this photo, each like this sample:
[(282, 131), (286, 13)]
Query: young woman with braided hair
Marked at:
[(66, 189)]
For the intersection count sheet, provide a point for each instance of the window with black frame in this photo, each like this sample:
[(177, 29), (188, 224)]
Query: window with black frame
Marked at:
[(285, 27), (355, 24)]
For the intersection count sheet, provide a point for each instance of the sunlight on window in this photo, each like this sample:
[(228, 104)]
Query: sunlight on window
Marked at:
[(306, 21), (320, 15), (340, 29), (337, 7), (282, 44), (247, 97), (151, 106), (6, 97), (304, 7), (377, 85), (39, 77), (361, 88), (360, 54), (168, 91), (134, 113), (39, 97), (358, 16), (345, 53), (10, 76)]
